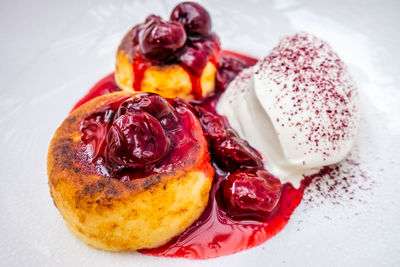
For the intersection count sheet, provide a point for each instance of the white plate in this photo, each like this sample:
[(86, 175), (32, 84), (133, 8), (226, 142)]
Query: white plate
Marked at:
[(52, 52)]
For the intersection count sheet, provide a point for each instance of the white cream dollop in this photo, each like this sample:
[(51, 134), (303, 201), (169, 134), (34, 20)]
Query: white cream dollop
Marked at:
[(298, 106)]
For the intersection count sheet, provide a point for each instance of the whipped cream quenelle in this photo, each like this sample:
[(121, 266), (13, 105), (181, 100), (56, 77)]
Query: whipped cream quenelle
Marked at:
[(298, 106)]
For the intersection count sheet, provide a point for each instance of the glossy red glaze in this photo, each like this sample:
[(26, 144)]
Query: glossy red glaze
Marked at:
[(138, 142), (139, 68), (196, 85), (216, 233)]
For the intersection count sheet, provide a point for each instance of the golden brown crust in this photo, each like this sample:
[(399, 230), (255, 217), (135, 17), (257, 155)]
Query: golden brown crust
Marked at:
[(101, 210)]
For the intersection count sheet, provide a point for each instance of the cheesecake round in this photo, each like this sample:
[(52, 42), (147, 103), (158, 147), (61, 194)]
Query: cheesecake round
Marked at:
[(173, 58), (129, 171)]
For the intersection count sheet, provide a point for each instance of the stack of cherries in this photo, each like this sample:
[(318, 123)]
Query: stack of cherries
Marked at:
[(186, 38), (136, 137), (249, 191)]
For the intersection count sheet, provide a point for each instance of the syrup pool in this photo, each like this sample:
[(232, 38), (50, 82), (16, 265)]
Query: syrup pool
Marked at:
[(216, 234)]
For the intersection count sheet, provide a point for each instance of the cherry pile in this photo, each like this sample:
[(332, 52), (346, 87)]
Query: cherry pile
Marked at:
[(135, 137), (227, 148), (186, 38), (249, 191)]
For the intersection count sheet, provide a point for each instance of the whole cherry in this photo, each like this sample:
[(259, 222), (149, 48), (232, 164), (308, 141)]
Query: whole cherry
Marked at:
[(159, 40), (194, 17), (233, 152), (135, 140), (250, 193), (94, 130), (212, 124), (151, 103)]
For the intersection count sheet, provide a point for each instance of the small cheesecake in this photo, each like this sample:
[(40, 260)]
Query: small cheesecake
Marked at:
[(122, 177), (180, 64)]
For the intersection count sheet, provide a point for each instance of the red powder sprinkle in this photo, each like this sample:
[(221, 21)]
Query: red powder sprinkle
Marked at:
[(338, 184)]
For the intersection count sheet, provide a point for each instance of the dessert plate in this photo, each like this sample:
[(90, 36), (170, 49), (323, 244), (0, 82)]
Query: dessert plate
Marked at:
[(53, 53)]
